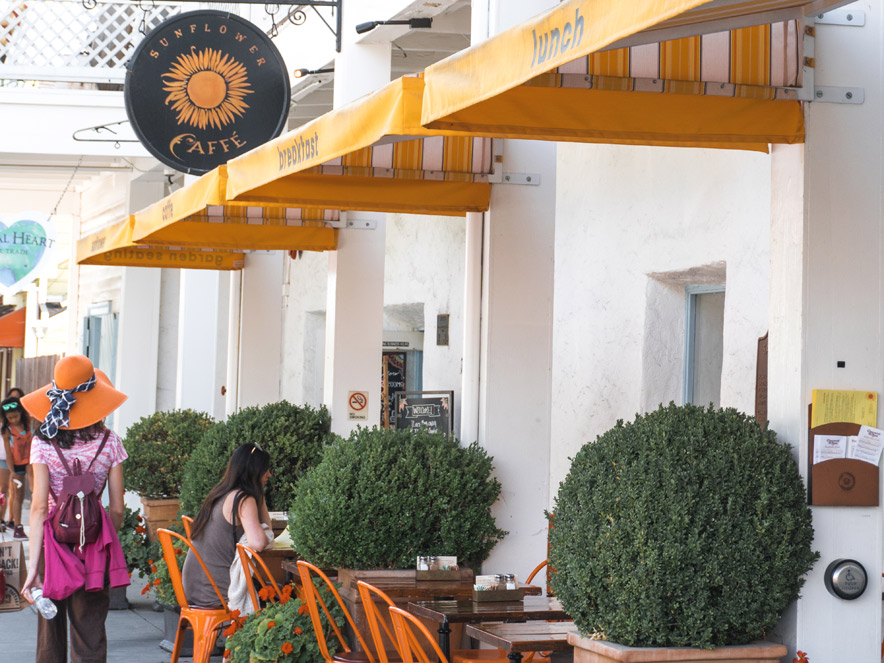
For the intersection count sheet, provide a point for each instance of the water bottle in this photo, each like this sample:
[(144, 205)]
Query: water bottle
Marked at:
[(42, 605)]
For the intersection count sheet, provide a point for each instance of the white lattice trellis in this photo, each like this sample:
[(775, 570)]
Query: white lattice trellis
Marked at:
[(61, 40)]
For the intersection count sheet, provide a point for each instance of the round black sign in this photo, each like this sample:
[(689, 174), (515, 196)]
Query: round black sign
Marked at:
[(204, 87)]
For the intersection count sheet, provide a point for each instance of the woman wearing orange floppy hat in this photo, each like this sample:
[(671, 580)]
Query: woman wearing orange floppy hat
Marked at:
[(72, 441)]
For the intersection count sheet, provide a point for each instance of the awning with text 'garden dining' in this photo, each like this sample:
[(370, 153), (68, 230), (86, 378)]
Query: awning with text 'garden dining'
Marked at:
[(371, 155), (113, 245), (650, 72), (199, 215)]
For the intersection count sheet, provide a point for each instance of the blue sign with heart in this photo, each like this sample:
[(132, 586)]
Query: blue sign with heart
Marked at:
[(27, 243)]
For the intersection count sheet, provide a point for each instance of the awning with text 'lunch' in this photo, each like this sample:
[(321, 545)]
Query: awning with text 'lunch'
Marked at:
[(12, 329), (113, 245), (650, 72), (371, 155), (199, 215)]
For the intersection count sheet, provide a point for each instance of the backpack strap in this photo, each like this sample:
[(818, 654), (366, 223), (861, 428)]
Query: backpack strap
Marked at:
[(67, 468), (100, 448)]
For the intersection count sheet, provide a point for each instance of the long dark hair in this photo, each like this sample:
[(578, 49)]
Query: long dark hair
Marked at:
[(25, 419), (244, 471), (66, 438)]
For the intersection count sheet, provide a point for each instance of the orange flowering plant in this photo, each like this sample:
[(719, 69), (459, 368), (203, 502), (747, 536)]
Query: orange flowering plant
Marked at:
[(282, 632)]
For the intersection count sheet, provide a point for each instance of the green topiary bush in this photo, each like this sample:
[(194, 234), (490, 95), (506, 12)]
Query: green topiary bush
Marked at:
[(293, 436), (158, 448), (686, 527), (382, 497)]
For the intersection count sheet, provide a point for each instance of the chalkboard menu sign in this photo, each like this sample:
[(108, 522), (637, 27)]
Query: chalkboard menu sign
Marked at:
[(430, 410)]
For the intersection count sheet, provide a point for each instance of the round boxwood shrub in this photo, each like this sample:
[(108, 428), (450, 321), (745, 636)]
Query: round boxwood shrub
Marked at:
[(293, 436), (158, 448), (685, 527), (382, 497)]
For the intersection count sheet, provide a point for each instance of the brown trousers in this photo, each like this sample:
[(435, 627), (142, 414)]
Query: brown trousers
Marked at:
[(87, 612)]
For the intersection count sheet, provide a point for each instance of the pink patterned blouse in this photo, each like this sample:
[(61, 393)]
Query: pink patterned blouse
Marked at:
[(112, 455)]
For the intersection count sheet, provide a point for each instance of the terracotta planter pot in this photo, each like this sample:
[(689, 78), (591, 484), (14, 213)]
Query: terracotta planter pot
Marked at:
[(602, 651), (159, 513)]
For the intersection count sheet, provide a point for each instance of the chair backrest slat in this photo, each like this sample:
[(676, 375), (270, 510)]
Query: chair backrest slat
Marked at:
[(253, 565), (410, 633), (314, 600), (375, 618), (171, 558)]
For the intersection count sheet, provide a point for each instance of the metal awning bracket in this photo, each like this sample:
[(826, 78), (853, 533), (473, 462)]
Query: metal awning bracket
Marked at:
[(498, 176), (821, 93), (850, 17), (354, 224), (839, 95)]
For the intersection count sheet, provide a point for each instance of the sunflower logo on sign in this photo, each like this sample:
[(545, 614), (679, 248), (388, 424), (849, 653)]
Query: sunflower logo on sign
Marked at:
[(207, 88)]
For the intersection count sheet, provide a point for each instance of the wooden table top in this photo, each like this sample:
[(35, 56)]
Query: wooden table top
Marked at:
[(525, 636), (455, 612)]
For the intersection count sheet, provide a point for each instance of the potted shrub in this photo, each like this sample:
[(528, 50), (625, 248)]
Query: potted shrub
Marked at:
[(293, 436), (396, 494), (381, 497), (282, 632), (686, 528), (158, 448)]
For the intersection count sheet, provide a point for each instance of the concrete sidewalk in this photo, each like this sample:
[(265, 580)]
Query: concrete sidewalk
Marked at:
[(133, 635)]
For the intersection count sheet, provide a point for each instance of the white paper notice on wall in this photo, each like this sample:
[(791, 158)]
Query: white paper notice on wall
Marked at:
[(868, 445), (829, 447)]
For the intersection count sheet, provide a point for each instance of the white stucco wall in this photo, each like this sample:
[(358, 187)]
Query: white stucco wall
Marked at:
[(424, 266), (697, 208)]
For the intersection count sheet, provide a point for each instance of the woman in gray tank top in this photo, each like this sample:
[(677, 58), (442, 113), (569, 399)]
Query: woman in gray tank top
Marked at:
[(234, 506)]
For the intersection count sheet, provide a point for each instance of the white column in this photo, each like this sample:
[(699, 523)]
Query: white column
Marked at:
[(231, 402), (472, 328), (260, 335), (139, 322), (516, 338), (827, 286), (355, 313), (199, 320), (137, 345)]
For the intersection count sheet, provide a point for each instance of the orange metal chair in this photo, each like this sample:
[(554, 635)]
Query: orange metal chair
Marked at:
[(205, 622), (314, 602), (187, 522), (254, 567), (409, 633), (376, 621), (498, 655)]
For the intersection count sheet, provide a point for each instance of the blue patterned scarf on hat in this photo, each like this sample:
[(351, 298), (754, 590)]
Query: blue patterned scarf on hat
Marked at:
[(61, 401)]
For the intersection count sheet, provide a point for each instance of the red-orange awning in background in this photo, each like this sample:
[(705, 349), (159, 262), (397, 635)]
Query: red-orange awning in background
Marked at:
[(12, 329)]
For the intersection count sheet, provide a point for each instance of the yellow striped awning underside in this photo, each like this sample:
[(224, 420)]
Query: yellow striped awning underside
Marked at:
[(606, 71), (387, 161), (113, 246), (198, 215)]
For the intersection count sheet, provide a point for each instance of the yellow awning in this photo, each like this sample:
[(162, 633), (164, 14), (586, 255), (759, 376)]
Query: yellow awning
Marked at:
[(199, 215), (373, 155), (552, 78), (113, 245)]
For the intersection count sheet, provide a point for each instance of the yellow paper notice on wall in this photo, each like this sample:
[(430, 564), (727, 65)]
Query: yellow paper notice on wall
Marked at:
[(852, 407)]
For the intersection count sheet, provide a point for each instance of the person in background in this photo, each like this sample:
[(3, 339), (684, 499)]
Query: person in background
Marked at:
[(77, 577), (15, 391), (5, 482), (234, 506), (15, 428)]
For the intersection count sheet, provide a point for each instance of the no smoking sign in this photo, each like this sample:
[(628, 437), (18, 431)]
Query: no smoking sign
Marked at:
[(357, 405)]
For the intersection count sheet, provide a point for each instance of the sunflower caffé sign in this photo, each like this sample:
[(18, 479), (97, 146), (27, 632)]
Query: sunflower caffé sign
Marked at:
[(204, 87)]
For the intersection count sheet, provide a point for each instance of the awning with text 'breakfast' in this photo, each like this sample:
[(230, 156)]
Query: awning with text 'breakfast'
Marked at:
[(113, 245), (371, 155), (649, 72), (199, 215), (12, 329)]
